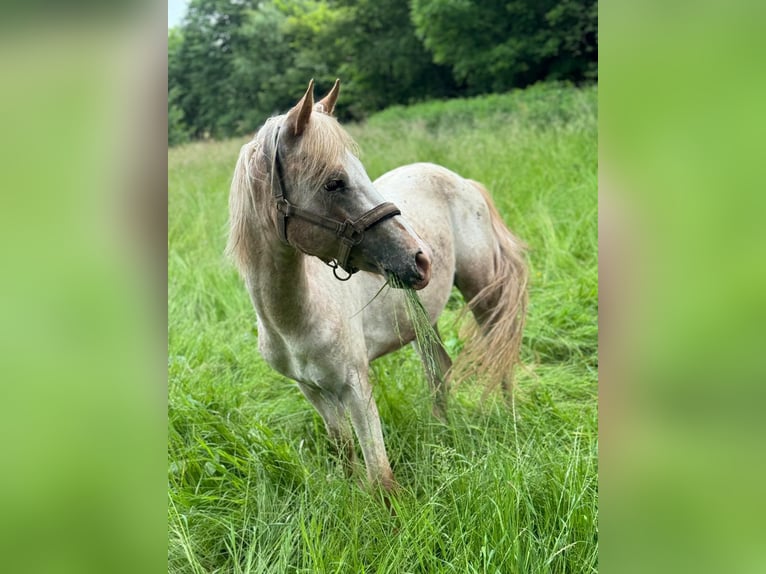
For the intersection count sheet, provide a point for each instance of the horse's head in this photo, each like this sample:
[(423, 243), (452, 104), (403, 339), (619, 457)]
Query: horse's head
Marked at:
[(325, 204)]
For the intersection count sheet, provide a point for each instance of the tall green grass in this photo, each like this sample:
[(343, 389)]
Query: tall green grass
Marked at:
[(252, 484)]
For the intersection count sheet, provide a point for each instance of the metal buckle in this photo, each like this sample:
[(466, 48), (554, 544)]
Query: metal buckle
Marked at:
[(354, 236), (283, 206)]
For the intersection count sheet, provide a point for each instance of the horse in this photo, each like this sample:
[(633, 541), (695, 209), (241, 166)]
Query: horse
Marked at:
[(315, 240)]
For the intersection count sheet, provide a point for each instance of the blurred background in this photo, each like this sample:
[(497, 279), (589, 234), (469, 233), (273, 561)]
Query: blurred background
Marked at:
[(681, 286), (82, 294)]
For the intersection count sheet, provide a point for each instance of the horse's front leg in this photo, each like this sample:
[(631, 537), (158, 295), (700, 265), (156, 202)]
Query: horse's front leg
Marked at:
[(333, 412), (364, 416)]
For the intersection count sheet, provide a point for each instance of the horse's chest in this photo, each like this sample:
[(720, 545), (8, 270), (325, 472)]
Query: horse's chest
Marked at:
[(306, 356), (276, 354)]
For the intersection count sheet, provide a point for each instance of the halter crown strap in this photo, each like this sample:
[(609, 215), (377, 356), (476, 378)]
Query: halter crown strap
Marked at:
[(277, 190), (349, 232)]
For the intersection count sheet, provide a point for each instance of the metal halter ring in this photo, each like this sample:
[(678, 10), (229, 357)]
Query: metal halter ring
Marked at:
[(333, 263)]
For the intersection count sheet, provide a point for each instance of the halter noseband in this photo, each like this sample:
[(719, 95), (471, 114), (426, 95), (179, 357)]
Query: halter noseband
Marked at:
[(349, 232)]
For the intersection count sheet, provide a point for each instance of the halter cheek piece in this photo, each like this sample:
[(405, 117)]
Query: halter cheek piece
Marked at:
[(349, 232)]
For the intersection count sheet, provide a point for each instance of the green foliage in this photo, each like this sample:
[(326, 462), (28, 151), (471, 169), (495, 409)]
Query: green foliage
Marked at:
[(233, 64), (178, 128), (178, 132), (381, 59), (544, 105), (201, 65), (252, 485), (494, 46)]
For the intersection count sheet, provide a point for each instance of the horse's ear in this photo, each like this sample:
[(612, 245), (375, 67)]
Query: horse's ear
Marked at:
[(298, 117), (327, 104)]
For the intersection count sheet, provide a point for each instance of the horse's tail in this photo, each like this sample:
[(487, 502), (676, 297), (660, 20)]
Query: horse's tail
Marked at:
[(500, 308)]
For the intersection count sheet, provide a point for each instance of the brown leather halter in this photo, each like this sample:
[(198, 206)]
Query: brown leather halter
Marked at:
[(349, 232)]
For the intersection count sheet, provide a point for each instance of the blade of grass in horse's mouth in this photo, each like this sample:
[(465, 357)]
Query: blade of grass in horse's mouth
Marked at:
[(425, 334)]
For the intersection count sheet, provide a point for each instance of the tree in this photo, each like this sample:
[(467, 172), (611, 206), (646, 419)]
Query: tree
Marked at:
[(381, 60), (178, 130), (281, 48), (233, 63), (494, 45), (204, 63)]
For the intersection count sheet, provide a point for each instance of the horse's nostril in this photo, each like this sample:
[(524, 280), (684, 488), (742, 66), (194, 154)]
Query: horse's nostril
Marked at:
[(423, 263)]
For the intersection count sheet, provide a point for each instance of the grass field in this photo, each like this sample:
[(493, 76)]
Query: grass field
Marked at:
[(252, 487)]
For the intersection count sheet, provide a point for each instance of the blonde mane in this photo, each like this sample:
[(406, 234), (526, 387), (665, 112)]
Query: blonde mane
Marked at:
[(319, 152)]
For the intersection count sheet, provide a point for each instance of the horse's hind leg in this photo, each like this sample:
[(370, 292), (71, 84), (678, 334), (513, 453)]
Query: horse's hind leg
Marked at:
[(437, 363), (491, 273), (338, 428)]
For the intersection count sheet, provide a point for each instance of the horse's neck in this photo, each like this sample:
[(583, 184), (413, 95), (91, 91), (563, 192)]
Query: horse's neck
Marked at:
[(279, 288)]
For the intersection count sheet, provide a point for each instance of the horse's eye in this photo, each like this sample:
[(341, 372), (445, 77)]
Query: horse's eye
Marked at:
[(334, 185)]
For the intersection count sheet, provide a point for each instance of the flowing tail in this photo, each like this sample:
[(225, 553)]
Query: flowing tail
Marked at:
[(500, 309)]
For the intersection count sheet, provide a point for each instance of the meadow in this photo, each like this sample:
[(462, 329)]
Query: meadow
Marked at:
[(499, 488)]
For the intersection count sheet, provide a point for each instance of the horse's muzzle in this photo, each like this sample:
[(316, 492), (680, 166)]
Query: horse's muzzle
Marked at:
[(413, 274)]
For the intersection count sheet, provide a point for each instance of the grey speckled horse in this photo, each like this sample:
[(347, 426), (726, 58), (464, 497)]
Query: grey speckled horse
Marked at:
[(315, 240)]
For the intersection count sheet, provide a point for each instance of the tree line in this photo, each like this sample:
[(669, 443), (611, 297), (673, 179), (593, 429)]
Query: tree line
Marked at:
[(233, 63)]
